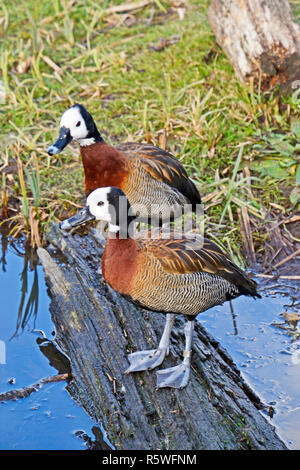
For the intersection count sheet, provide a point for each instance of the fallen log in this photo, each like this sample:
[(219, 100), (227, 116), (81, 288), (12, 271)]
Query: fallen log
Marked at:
[(96, 328), (261, 39)]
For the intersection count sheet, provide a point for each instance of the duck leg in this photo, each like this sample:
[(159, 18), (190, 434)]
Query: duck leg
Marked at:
[(144, 360), (178, 376)]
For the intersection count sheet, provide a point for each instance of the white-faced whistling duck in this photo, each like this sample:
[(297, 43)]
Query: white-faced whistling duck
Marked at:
[(147, 174), (187, 275)]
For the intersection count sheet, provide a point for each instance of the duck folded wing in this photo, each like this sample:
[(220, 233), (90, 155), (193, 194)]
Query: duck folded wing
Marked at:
[(197, 254), (162, 166)]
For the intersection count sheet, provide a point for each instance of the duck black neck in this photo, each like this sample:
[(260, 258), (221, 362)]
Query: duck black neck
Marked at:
[(95, 134)]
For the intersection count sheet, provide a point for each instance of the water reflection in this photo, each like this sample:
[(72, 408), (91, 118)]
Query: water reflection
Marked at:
[(48, 418), (28, 306), (4, 243), (263, 338), (233, 316), (260, 335), (28, 303)]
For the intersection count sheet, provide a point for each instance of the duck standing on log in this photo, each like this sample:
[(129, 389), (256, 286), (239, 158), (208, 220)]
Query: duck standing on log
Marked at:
[(185, 275), (147, 174)]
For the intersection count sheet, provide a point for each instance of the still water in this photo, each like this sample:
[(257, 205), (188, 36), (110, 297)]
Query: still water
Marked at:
[(263, 345), (266, 350), (48, 418)]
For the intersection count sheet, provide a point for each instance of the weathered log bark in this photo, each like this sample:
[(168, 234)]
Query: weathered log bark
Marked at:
[(260, 38), (97, 328)]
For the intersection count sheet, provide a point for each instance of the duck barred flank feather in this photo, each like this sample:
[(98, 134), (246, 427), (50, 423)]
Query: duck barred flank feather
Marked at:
[(154, 197), (188, 294), (195, 253), (162, 166), (185, 276)]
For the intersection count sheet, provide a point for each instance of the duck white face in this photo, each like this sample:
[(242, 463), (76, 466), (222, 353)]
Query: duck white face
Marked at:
[(106, 204), (99, 205), (73, 121), (76, 123)]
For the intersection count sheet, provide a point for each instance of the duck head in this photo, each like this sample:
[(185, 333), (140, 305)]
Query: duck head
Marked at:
[(107, 204), (76, 123)]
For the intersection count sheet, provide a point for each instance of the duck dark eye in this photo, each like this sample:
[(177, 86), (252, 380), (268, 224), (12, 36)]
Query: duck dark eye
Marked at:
[(100, 203), (78, 123)]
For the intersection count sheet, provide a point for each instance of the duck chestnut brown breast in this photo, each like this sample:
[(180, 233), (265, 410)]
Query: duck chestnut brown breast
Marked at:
[(185, 275), (147, 174)]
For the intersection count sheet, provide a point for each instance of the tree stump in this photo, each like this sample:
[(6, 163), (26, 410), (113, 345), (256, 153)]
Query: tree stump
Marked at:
[(96, 328), (260, 38)]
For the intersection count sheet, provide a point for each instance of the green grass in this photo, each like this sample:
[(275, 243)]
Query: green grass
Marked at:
[(56, 53)]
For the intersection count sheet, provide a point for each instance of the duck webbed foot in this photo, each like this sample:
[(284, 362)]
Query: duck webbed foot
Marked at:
[(145, 360), (178, 376), (175, 377)]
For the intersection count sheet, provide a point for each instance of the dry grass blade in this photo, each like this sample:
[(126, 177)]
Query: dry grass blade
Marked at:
[(51, 64), (231, 186), (34, 228), (25, 202), (247, 235), (128, 7)]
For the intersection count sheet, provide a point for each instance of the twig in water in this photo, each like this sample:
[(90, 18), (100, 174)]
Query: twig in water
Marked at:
[(26, 391), (283, 261), (270, 276), (247, 234), (127, 7)]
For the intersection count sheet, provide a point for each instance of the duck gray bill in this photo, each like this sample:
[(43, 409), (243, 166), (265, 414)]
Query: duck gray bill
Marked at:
[(80, 218)]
